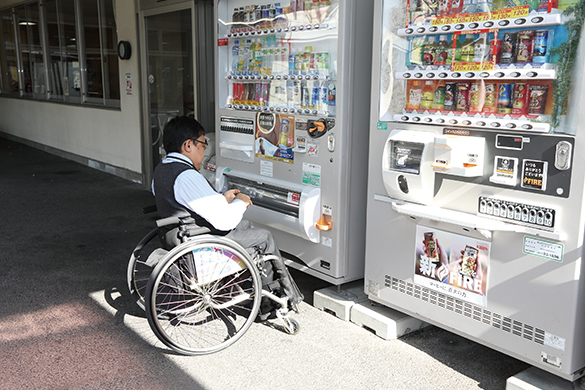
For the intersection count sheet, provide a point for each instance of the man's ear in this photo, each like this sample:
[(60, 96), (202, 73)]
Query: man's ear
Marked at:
[(186, 146)]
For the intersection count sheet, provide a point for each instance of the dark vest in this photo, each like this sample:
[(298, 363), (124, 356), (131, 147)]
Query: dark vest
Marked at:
[(166, 204)]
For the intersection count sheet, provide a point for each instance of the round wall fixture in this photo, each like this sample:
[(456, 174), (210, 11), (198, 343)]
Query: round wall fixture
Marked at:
[(124, 50)]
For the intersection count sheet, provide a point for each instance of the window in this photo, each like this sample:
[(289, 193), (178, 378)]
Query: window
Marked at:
[(64, 73), (10, 67), (48, 55)]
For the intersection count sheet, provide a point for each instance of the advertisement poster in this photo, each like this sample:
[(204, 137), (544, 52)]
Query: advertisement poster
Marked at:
[(452, 264), (275, 137)]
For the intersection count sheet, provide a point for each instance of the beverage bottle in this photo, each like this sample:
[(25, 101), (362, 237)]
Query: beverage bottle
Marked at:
[(283, 56), (305, 95), (429, 51), (442, 51), (265, 59), (257, 17), (247, 18), (428, 95), (290, 93), (439, 97), (235, 57), (278, 18), (331, 98), (457, 57), (415, 52), (291, 64), (271, 15), (481, 49), (241, 19), (414, 96), (247, 54), (234, 20), (252, 58), (241, 58), (323, 96), (468, 48)]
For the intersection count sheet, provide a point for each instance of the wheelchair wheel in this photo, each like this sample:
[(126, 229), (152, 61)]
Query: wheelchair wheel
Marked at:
[(139, 271), (203, 296)]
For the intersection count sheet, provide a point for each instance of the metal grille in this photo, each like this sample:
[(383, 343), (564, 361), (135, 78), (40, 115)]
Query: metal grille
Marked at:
[(466, 309)]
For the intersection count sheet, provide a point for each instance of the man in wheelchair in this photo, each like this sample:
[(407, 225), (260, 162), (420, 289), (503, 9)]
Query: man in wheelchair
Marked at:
[(181, 191)]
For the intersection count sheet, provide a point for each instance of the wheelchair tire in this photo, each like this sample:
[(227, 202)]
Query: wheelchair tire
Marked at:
[(203, 295), (139, 271)]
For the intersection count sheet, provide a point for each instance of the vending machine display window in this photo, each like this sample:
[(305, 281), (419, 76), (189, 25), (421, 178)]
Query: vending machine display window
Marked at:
[(487, 64), (279, 57)]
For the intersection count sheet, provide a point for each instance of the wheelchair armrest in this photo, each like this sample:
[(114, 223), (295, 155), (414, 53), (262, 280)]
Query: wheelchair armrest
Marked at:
[(193, 231), (168, 221)]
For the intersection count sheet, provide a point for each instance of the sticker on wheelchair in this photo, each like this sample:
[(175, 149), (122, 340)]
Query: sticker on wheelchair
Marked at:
[(212, 264)]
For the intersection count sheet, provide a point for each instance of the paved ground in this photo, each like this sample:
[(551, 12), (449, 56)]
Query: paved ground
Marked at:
[(67, 322)]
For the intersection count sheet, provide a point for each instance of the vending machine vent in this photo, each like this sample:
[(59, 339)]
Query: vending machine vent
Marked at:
[(467, 309)]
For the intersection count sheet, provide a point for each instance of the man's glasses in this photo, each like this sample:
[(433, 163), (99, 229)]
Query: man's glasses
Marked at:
[(204, 143)]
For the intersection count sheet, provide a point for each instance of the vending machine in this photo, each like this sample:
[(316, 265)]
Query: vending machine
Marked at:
[(475, 219), (293, 91)]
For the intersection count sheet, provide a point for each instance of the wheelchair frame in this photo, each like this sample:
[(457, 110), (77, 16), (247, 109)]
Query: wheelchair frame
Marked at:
[(204, 294)]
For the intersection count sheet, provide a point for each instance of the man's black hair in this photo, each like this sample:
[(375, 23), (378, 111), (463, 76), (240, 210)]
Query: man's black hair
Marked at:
[(178, 130)]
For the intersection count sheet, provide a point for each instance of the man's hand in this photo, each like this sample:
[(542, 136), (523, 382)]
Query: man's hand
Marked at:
[(245, 198), (231, 195)]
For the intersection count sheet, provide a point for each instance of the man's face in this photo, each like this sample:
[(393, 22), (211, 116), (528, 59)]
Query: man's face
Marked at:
[(195, 150)]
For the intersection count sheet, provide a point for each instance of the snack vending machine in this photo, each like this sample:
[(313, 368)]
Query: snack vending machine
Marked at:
[(475, 199), (293, 90)]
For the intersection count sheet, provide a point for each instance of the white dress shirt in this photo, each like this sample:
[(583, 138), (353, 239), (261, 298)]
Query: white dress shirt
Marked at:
[(195, 193)]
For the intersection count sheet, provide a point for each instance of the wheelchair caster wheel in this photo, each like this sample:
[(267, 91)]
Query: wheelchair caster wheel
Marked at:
[(291, 326)]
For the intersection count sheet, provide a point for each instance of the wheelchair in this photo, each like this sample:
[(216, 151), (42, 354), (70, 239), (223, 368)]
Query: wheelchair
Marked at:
[(204, 294)]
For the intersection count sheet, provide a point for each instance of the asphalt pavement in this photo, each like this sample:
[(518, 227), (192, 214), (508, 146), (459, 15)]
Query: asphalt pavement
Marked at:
[(67, 320)]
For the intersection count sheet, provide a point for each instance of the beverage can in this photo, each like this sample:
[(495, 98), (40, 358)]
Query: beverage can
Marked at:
[(496, 49), (537, 98), (450, 97), (475, 97), (414, 96), (431, 249), (525, 46), (540, 53), (462, 100), (439, 98), (469, 261), (491, 98), (509, 48), (520, 100), (504, 98)]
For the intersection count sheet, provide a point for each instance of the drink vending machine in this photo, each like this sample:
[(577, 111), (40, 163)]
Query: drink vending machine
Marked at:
[(475, 218), (293, 90)]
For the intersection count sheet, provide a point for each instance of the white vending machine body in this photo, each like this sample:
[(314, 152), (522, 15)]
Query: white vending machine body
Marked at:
[(494, 251)]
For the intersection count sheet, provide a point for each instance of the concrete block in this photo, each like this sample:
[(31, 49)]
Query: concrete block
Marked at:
[(536, 379), (385, 322), (339, 301)]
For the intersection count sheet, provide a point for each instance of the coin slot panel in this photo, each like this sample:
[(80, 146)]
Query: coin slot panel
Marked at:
[(516, 212)]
